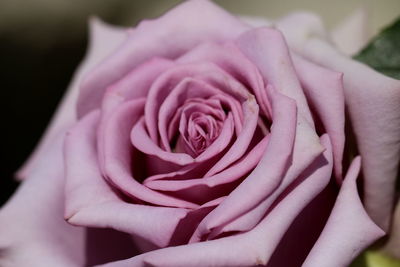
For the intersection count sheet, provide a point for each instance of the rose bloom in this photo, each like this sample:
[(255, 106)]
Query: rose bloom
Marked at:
[(209, 142)]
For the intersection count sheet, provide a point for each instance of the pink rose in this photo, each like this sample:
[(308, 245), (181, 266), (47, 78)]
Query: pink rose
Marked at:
[(210, 143)]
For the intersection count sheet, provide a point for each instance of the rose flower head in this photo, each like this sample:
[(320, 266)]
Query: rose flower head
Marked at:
[(210, 142)]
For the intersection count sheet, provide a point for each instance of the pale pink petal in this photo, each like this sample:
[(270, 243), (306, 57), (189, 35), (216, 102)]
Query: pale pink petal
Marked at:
[(91, 202), (168, 36), (122, 91), (203, 189), (263, 180), (304, 231), (374, 106), (186, 89), (353, 32), (222, 141), (348, 231), (306, 159), (238, 169), (187, 225), (135, 84), (324, 91), (206, 72), (256, 21), (242, 142), (267, 49), (102, 40), (119, 163), (33, 231), (234, 251), (247, 249), (229, 58), (298, 27), (314, 181), (180, 174), (209, 107), (373, 101), (141, 140)]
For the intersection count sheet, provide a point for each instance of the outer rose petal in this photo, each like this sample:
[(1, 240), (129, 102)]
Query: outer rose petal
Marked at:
[(348, 231), (90, 201), (32, 229), (102, 40), (118, 155), (247, 249), (374, 106), (262, 181), (352, 33), (168, 36), (230, 59), (324, 91), (220, 84), (267, 49), (206, 184), (306, 151)]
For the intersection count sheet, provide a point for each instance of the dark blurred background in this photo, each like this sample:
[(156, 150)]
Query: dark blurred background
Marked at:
[(43, 41)]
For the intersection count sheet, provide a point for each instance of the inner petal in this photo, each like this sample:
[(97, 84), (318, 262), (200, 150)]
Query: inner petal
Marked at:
[(187, 89), (207, 106), (208, 73), (202, 130), (228, 57)]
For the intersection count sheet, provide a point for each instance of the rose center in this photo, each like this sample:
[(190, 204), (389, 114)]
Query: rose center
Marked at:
[(200, 123)]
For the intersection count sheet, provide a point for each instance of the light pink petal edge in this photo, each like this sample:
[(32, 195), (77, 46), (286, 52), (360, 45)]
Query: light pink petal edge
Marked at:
[(349, 229)]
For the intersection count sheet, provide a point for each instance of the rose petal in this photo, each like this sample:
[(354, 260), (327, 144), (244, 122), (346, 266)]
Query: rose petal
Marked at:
[(306, 159), (353, 32), (247, 249), (118, 155), (103, 39), (208, 73), (122, 91), (153, 38), (142, 142), (373, 101), (91, 202), (242, 142), (348, 231), (207, 107), (298, 27), (267, 49), (328, 102), (263, 180), (135, 84), (188, 224), (222, 183), (187, 89), (32, 229), (222, 141), (256, 21), (229, 58)]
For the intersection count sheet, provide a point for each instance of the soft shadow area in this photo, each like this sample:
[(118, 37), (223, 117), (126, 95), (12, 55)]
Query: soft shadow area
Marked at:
[(305, 230), (107, 245)]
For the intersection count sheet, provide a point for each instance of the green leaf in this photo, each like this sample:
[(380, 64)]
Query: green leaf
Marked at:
[(383, 52)]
